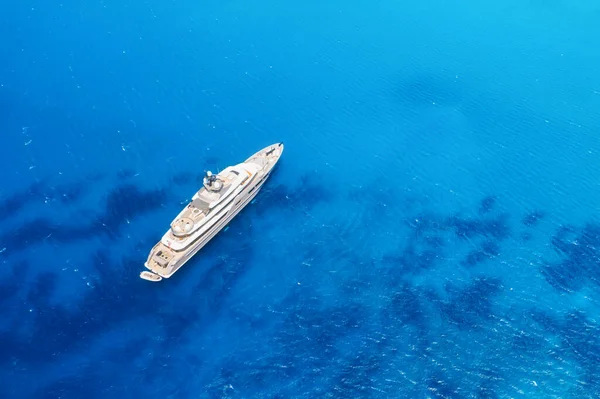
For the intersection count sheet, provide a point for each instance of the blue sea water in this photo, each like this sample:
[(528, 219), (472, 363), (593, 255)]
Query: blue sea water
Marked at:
[(431, 230)]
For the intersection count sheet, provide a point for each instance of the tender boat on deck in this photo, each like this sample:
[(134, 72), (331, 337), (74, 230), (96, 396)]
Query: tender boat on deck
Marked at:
[(222, 197)]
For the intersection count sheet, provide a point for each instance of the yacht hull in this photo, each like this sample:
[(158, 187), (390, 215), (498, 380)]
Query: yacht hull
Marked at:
[(264, 162)]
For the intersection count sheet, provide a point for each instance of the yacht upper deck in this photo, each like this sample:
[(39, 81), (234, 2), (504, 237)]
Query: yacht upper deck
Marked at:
[(209, 200)]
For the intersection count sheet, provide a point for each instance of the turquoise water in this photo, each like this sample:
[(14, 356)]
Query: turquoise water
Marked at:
[(431, 230)]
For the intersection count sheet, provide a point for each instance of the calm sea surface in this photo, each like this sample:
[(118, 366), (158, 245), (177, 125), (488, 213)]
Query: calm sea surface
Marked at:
[(432, 229)]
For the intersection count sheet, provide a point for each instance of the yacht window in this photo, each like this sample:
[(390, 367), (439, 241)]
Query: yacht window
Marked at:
[(215, 222)]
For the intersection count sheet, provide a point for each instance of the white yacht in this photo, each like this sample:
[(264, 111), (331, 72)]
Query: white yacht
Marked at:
[(211, 208)]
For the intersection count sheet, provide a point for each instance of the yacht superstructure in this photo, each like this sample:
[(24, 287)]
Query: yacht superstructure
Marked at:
[(212, 207)]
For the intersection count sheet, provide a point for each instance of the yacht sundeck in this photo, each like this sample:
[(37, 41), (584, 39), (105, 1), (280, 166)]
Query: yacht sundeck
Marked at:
[(221, 198)]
